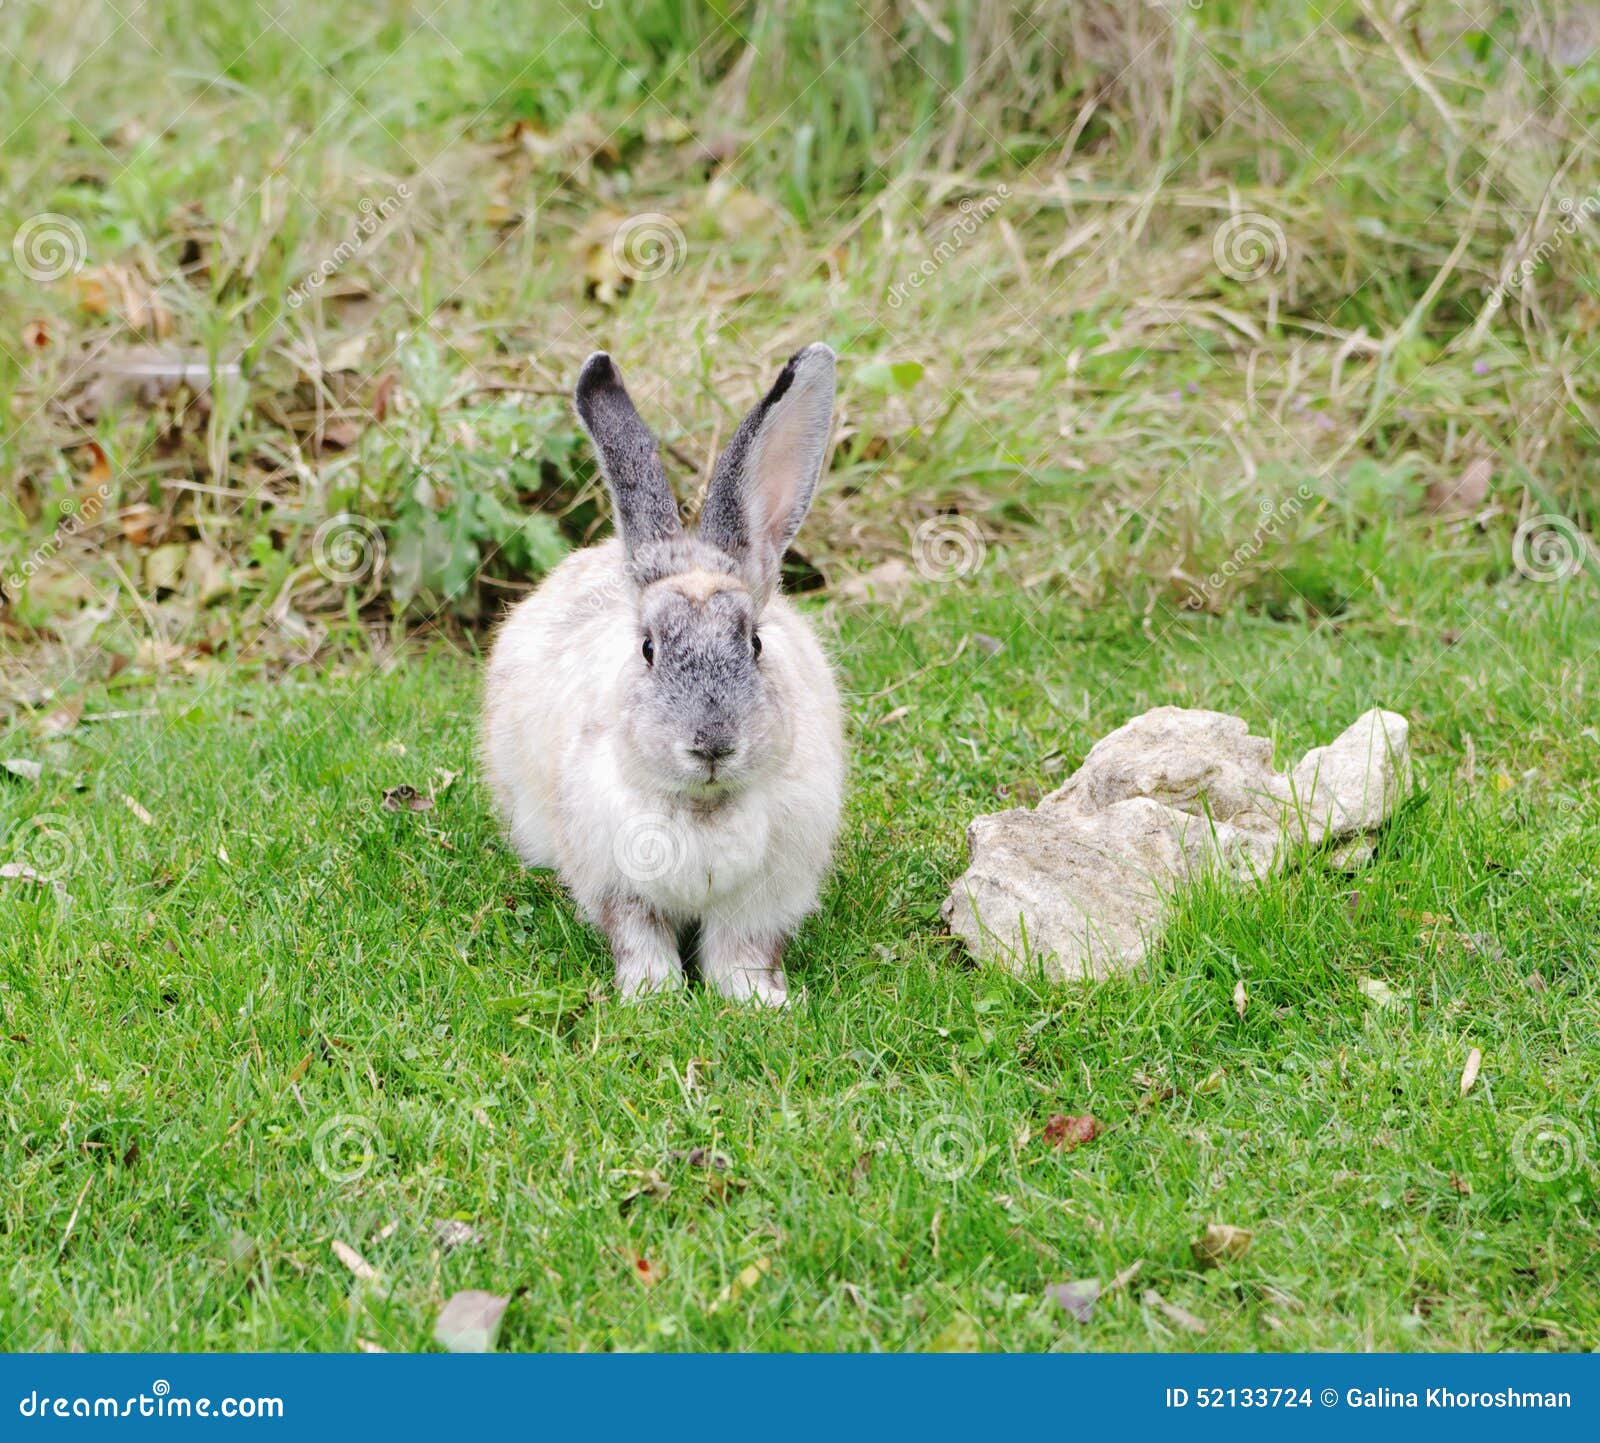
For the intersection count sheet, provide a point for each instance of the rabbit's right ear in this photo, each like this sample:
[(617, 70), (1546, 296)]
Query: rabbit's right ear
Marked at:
[(629, 457)]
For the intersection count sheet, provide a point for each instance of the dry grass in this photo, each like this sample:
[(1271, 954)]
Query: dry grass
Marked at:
[(1181, 263)]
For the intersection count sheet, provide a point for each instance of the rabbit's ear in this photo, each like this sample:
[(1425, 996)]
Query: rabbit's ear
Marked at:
[(646, 510), (764, 482)]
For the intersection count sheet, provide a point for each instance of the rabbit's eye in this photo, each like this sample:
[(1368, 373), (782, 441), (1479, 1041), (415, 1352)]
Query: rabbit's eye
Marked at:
[(649, 652), (755, 643)]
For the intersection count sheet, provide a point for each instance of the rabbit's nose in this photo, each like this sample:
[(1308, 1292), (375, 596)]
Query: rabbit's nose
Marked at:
[(711, 748)]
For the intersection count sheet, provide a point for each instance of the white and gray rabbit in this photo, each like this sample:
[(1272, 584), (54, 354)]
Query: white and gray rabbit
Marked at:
[(659, 724)]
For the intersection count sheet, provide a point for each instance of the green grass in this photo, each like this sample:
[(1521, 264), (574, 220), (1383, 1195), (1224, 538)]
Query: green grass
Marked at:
[(180, 1030), (1181, 477)]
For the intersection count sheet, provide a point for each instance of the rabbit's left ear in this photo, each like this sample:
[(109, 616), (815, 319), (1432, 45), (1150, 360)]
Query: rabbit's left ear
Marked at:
[(763, 484)]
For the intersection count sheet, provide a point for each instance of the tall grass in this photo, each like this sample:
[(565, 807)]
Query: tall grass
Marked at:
[(1091, 372)]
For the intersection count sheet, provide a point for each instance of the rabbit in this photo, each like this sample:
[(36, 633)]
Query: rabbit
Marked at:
[(659, 724)]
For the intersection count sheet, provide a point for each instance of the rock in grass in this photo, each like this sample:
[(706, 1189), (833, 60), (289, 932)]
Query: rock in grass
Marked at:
[(1082, 883)]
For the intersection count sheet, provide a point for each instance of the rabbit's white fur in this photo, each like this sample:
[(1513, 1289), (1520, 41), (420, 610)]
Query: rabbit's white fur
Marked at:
[(644, 853)]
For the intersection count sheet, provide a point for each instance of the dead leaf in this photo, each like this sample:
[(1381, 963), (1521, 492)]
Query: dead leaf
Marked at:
[(1078, 1298), (1212, 1082), (164, 566), (18, 767), (406, 798), (36, 336), (1460, 1185), (138, 811), (1182, 1317), (1241, 998), (20, 872), (747, 1279), (1380, 993), (1065, 1130), (470, 1322), (141, 523), (1469, 1073), (1463, 495), (1221, 1243), (366, 1345), (890, 717), (355, 1262), (64, 718), (647, 1272), (452, 1233)]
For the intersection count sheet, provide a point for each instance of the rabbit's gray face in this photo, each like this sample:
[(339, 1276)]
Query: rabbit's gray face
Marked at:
[(702, 718)]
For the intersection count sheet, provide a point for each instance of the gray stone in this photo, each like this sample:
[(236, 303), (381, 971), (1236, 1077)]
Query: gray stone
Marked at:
[(1081, 885)]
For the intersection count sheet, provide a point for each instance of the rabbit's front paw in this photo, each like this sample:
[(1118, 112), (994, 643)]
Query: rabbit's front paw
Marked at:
[(643, 947), (744, 969)]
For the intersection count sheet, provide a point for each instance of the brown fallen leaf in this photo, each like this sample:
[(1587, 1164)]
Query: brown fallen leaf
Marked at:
[(1464, 494), (1469, 1073), (1241, 998), (1065, 1130), (647, 1272), (140, 523), (1221, 1243), (470, 1321), (64, 718), (366, 1345), (406, 798), (1460, 1185), (1182, 1317), (20, 767), (355, 1262)]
